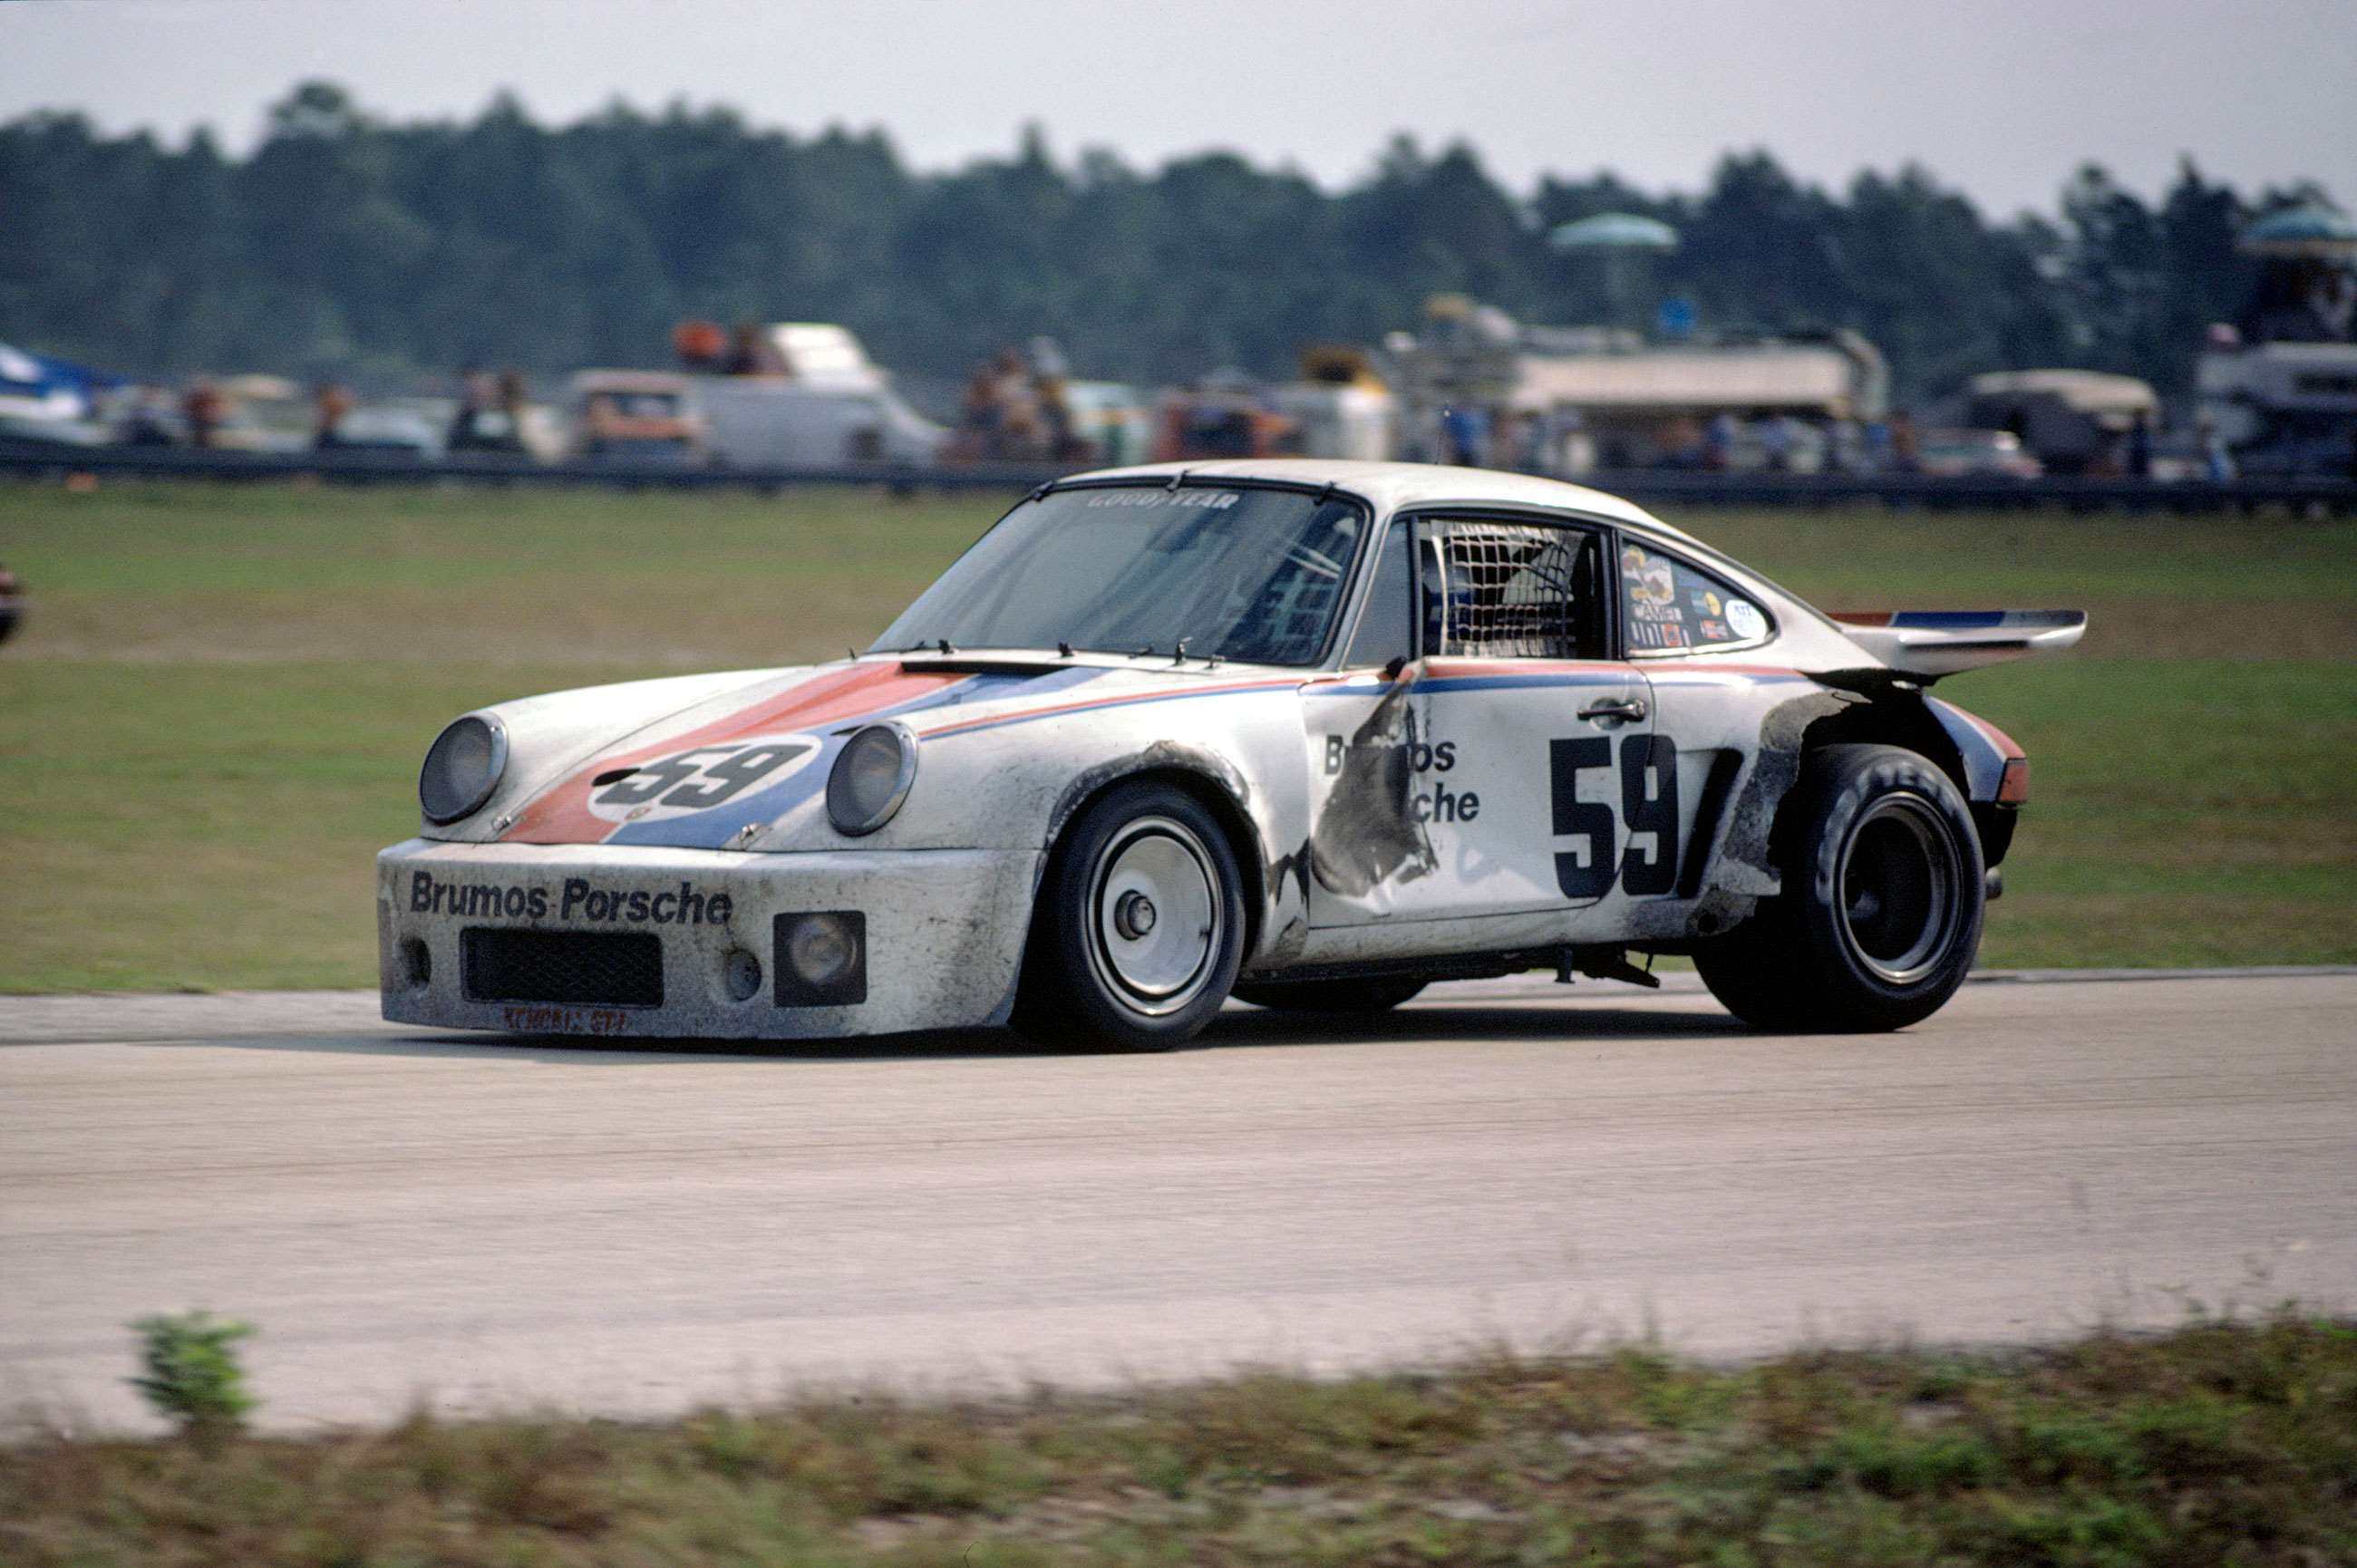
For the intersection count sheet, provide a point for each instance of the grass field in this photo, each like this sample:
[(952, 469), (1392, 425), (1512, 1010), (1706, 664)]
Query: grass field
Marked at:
[(214, 713), (2222, 1443)]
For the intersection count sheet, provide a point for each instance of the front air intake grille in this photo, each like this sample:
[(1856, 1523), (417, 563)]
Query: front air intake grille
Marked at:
[(584, 969)]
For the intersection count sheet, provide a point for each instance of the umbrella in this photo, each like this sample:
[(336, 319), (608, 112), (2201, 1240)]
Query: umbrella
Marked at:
[(2312, 229)]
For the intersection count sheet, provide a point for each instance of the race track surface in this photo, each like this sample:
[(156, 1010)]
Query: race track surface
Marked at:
[(622, 1230)]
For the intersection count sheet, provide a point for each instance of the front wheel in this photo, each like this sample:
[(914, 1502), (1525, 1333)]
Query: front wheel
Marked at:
[(1881, 914), (1139, 926)]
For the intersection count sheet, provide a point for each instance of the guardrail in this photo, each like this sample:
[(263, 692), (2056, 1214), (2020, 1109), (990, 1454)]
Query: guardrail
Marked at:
[(2304, 497)]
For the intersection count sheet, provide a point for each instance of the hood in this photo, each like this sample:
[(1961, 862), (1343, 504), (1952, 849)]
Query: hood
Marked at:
[(716, 773)]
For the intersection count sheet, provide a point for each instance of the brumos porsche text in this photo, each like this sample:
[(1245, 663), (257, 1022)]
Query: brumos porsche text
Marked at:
[(578, 899), (1439, 804)]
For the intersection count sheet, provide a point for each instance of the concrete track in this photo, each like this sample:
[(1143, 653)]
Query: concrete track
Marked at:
[(632, 1230)]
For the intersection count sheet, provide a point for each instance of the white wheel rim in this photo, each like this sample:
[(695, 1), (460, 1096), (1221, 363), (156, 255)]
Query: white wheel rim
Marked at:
[(1899, 886), (1154, 916)]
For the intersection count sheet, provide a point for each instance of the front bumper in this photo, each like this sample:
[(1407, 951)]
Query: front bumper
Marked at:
[(702, 938)]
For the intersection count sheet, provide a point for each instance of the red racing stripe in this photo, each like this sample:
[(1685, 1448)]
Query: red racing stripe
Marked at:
[(561, 813)]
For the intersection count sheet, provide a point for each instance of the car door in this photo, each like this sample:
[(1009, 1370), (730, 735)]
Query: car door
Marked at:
[(1500, 761)]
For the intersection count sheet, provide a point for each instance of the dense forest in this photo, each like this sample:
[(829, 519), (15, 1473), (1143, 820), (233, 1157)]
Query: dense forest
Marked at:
[(348, 245)]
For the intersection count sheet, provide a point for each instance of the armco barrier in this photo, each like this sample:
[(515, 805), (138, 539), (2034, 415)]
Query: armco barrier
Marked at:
[(2303, 496)]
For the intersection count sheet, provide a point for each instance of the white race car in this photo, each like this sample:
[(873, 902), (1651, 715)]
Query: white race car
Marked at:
[(1310, 733)]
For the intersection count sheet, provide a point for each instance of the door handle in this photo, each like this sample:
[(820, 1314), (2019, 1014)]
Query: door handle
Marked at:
[(1631, 708)]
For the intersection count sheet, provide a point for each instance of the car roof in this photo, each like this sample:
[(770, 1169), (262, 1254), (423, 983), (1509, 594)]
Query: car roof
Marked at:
[(1391, 485)]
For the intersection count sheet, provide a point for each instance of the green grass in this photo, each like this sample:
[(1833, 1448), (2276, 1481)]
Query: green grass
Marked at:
[(214, 716), (2219, 1444)]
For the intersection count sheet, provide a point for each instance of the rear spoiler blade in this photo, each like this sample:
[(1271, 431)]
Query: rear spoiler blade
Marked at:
[(1928, 644)]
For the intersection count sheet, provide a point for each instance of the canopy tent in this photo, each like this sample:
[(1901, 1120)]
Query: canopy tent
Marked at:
[(1614, 232)]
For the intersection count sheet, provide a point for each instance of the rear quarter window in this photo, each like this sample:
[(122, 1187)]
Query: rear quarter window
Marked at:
[(1668, 604)]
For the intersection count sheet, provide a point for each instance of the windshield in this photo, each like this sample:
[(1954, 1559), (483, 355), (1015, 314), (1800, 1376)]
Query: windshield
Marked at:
[(1253, 576)]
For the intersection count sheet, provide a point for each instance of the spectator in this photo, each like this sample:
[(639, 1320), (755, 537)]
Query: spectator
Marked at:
[(329, 404), (1532, 455), (1064, 442), (148, 421), (1466, 434), (2217, 462), (2139, 458), (1842, 453), (475, 393), (1719, 441), (202, 409), (1876, 456), (701, 346), (751, 353), (977, 416), (514, 394), (1906, 451), (490, 413)]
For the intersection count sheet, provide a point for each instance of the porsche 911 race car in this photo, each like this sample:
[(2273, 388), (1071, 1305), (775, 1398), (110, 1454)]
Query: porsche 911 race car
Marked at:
[(1314, 735)]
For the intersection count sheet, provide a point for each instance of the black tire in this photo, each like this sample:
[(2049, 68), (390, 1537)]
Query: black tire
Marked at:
[(1882, 910), (1146, 859), (1374, 995)]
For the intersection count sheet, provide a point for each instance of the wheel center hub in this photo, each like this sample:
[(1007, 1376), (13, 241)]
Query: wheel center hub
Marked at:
[(1134, 916)]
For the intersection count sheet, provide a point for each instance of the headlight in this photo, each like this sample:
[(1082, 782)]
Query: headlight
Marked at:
[(871, 778), (462, 769)]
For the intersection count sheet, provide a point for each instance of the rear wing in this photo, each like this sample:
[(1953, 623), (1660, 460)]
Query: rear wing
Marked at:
[(1928, 644)]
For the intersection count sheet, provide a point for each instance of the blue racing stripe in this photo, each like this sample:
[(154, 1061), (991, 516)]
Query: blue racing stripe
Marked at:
[(1114, 703), (1955, 620), (715, 829)]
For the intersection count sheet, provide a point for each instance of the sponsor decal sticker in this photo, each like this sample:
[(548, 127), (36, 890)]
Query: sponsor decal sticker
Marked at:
[(578, 899), (1198, 500), (1744, 616), (1648, 578)]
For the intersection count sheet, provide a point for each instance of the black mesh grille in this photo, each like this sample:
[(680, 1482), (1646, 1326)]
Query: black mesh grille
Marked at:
[(606, 968)]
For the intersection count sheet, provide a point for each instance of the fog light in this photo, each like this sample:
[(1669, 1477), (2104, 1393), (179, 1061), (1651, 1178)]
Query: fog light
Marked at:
[(821, 959), (822, 949)]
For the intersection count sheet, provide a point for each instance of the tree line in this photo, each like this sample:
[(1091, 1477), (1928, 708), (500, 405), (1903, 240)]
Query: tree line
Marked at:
[(350, 246)]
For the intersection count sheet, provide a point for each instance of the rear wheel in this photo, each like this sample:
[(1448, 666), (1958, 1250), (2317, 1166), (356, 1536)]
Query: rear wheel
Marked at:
[(1377, 995), (1882, 910), (1139, 925)]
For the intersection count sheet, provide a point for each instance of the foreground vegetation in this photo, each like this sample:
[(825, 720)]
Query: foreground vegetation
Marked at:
[(2220, 1443), (213, 717)]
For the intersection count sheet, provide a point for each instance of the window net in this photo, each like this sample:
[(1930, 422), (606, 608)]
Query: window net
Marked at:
[(1510, 590)]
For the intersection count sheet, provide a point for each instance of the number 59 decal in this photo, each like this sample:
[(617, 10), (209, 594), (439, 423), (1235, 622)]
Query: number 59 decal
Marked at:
[(695, 780), (1649, 804)]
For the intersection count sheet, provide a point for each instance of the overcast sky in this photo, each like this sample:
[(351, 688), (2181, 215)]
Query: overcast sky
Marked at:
[(2002, 97)]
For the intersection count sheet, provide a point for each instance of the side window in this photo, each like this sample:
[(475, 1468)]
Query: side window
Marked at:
[(1511, 590), (1387, 625), (1668, 603)]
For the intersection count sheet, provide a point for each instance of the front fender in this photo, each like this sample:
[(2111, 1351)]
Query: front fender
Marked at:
[(1020, 785)]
